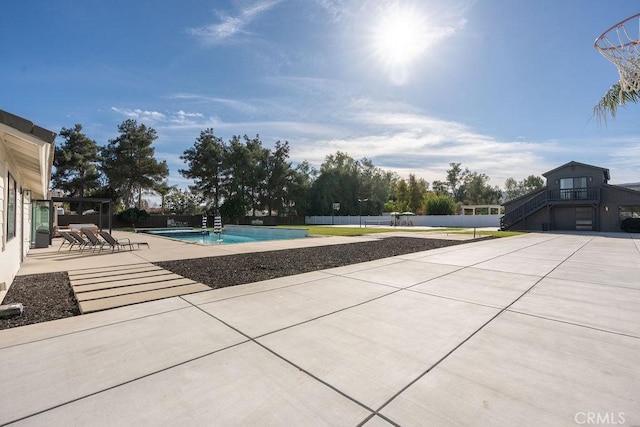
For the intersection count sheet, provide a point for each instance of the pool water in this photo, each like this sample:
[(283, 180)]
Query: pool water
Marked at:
[(225, 238), (231, 235)]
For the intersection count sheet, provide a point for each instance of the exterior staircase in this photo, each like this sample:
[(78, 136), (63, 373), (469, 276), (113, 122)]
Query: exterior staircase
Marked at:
[(534, 203)]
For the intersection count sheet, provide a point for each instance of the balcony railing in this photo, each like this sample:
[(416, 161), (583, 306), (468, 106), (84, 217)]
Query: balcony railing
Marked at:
[(574, 194)]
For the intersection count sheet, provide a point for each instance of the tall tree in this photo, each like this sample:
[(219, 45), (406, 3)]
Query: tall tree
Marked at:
[(75, 160), (182, 201), (456, 178), (163, 189), (129, 162), (417, 190), (376, 185), (440, 187), (339, 182), (302, 179), (279, 178), (511, 189), (205, 166), (237, 179), (256, 173), (403, 196), (515, 189), (477, 191)]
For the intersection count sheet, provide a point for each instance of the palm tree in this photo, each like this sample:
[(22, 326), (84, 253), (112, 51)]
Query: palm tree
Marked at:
[(612, 99)]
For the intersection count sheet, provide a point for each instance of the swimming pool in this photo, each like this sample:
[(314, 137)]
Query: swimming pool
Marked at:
[(232, 234)]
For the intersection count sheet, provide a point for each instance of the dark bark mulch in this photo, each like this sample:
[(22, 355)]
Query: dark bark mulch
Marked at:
[(49, 296), (230, 270)]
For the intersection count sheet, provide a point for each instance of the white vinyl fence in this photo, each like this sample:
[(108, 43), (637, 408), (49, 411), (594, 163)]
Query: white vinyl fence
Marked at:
[(465, 221)]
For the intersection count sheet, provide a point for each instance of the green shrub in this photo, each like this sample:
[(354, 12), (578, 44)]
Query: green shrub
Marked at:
[(439, 205), (133, 216)]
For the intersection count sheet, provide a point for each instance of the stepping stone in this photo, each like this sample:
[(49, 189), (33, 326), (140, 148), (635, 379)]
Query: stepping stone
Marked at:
[(104, 293), (122, 300), (127, 282), (110, 287), (120, 276)]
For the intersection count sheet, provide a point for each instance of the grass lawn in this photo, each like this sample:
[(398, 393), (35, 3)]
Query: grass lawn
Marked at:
[(323, 230), (494, 233)]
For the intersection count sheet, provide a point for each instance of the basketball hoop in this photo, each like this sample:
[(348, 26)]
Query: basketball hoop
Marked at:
[(620, 44)]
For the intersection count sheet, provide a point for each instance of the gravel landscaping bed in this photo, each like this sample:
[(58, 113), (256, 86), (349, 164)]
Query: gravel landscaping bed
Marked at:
[(230, 270), (49, 296), (44, 296)]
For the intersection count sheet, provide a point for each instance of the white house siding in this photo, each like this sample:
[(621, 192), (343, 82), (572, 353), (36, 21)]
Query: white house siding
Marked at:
[(10, 255), (26, 152), (9, 258), (26, 224)]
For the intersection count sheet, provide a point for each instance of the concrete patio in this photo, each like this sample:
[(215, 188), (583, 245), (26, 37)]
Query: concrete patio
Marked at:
[(539, 329)]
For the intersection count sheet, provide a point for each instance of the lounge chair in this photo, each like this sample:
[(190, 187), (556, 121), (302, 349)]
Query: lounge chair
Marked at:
[(93, 239), (118, 243), (67, 239), (81, 241)]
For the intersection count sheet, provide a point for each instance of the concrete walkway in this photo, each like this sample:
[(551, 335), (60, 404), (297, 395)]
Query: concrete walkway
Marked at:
[(539, 329)]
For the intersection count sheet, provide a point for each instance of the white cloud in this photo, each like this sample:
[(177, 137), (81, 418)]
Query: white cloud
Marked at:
[(138, 114), (239, 106), (228, 28), (394, 135), (154, 117)]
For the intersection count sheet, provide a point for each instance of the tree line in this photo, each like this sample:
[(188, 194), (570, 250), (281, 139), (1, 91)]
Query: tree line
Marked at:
[(240, 176)]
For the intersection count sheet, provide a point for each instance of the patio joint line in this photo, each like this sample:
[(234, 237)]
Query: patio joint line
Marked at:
[(594, 283), (590, 263), (96, 327), (332, 313), (257, 292), (373, 415), (433, 366), (254, 340), (575, 324), (175, 365), (453, 299)]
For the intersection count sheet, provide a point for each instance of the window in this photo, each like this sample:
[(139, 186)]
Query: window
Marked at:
[(629, 211), (573, 188), (11, 209)]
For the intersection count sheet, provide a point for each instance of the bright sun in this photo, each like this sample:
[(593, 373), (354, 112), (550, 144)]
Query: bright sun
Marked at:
[(399, 38)]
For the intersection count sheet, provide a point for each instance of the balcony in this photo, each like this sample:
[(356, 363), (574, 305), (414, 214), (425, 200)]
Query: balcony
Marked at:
[(575, 195)]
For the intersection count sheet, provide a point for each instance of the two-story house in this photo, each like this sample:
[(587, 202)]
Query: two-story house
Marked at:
[(577, 197)]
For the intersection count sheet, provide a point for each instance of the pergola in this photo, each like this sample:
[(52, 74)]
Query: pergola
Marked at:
[(100, 202)]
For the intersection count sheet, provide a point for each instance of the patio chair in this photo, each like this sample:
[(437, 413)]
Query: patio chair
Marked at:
[(67, 239), (93, 239), (81, 241), (118, 243)]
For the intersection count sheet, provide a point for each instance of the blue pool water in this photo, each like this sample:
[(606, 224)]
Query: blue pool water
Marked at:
[(237, 234)]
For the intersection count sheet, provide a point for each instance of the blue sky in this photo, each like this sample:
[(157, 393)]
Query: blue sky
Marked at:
[(504, 87)]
